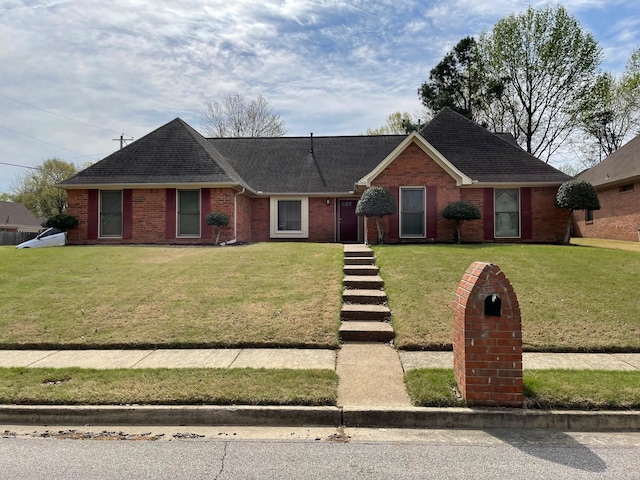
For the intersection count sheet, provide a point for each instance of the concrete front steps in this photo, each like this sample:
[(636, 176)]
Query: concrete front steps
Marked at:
[(364, 314)]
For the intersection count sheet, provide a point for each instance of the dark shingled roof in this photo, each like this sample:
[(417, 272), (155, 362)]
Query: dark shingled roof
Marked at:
[(176, 154), (482, 155), (621, 166), (16, 215), (173, 153), (286, 165)]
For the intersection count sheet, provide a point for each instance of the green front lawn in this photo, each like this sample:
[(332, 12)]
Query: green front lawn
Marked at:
[(572, 298), (545, 389), (263, 295), (161, 386)]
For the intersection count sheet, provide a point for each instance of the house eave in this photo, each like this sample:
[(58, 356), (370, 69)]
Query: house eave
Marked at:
[(146, 186), (477, 184)]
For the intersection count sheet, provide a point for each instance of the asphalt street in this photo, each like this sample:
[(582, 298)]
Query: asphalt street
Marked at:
[(290, 453)]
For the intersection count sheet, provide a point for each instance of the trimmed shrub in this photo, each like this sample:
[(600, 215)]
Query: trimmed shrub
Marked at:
[(461, 211), (218, 220), (62, 221), (377, 202)]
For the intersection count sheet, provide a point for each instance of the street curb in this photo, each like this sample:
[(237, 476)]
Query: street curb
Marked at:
[(164, 415), (478, 419), (281, 416)]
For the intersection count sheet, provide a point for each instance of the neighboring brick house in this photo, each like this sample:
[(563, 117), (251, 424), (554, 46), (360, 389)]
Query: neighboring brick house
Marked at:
[(14, 217), (159, 189), (617, 181)]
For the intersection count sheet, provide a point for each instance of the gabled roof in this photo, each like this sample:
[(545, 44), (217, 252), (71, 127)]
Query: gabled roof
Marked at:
[(175, 154), (483, 156), (172, 154), (286, 164), (622, 166), (16, 215)]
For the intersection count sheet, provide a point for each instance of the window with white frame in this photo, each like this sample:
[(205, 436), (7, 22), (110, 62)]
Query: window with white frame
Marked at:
[(188, 213), (507, 212), (412, 212), (111, 213), (289, 217)]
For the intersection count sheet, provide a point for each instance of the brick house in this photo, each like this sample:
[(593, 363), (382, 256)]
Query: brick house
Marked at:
[(159, 189), (617, 181)]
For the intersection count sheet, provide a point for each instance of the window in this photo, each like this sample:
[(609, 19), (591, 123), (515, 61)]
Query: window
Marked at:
[(626, 188), (188, 213), (412, 202), (507, 213), (111, 213), (588, 215), (289, 217)]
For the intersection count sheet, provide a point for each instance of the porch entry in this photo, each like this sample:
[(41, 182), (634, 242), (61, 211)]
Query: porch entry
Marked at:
[(348, 221)]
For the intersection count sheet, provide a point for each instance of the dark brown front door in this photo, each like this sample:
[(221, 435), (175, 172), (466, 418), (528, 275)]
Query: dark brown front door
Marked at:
[(348, 221)]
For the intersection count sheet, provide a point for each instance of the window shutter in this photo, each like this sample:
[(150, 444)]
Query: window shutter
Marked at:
[(488, 214), (432, 212), (526, 214), (205, 201), (170, 214), (92, 214), (394, 220), (127, 214)]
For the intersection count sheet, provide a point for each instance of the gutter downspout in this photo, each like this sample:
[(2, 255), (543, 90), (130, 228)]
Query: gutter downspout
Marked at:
[(235, 217)]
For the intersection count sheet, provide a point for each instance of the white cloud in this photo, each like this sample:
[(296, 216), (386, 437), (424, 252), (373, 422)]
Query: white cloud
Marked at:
[(328, 66)]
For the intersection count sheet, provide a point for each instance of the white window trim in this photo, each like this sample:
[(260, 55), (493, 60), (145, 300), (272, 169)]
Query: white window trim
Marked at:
[(100, 235), (304, 221), (178, 235), (424, 213), (519, 212)]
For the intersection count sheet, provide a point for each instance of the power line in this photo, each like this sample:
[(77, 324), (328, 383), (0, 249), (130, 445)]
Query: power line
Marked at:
[(43, 141), (57, 114), (21, 166)]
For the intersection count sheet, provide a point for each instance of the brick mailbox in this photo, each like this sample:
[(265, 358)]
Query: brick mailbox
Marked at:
[(487, 338)]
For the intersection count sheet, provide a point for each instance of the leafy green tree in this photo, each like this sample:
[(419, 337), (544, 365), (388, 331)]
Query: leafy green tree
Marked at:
[(219, 220), (576, 195), (62, 221), (398, 123), (459, 82), (461, 211), (610, 111), (544, 61), (37, 188), (377, 202), (235, 117)]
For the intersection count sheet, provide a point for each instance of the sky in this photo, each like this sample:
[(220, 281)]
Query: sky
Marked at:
[(76, 74)]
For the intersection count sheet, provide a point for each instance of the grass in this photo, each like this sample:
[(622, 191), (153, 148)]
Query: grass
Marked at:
[(189, 386), (571, 298), (543, 389), (262, 295)]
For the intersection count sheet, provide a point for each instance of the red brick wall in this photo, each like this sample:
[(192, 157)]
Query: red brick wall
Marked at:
[(260, 226), (618, 218), (77, 205), (487, 346), (149, 217), (414, 168), (322, 223)]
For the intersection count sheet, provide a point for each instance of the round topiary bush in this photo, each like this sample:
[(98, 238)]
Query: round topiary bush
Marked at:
[(377, 202), (219, 220), (461, 211)]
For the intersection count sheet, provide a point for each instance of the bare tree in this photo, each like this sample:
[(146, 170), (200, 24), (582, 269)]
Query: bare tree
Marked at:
[(234, 117)]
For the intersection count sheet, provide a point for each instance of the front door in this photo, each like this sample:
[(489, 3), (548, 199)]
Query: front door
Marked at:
[(348, 221)]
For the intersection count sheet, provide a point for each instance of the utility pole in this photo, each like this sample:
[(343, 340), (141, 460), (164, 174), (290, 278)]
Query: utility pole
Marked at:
[(122, 140)]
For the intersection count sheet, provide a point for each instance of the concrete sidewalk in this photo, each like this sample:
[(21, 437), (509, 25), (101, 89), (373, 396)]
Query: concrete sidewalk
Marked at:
[(284, 358)]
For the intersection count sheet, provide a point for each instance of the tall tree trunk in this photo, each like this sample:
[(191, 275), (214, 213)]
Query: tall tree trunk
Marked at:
[(379, 228), (567, 235)]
